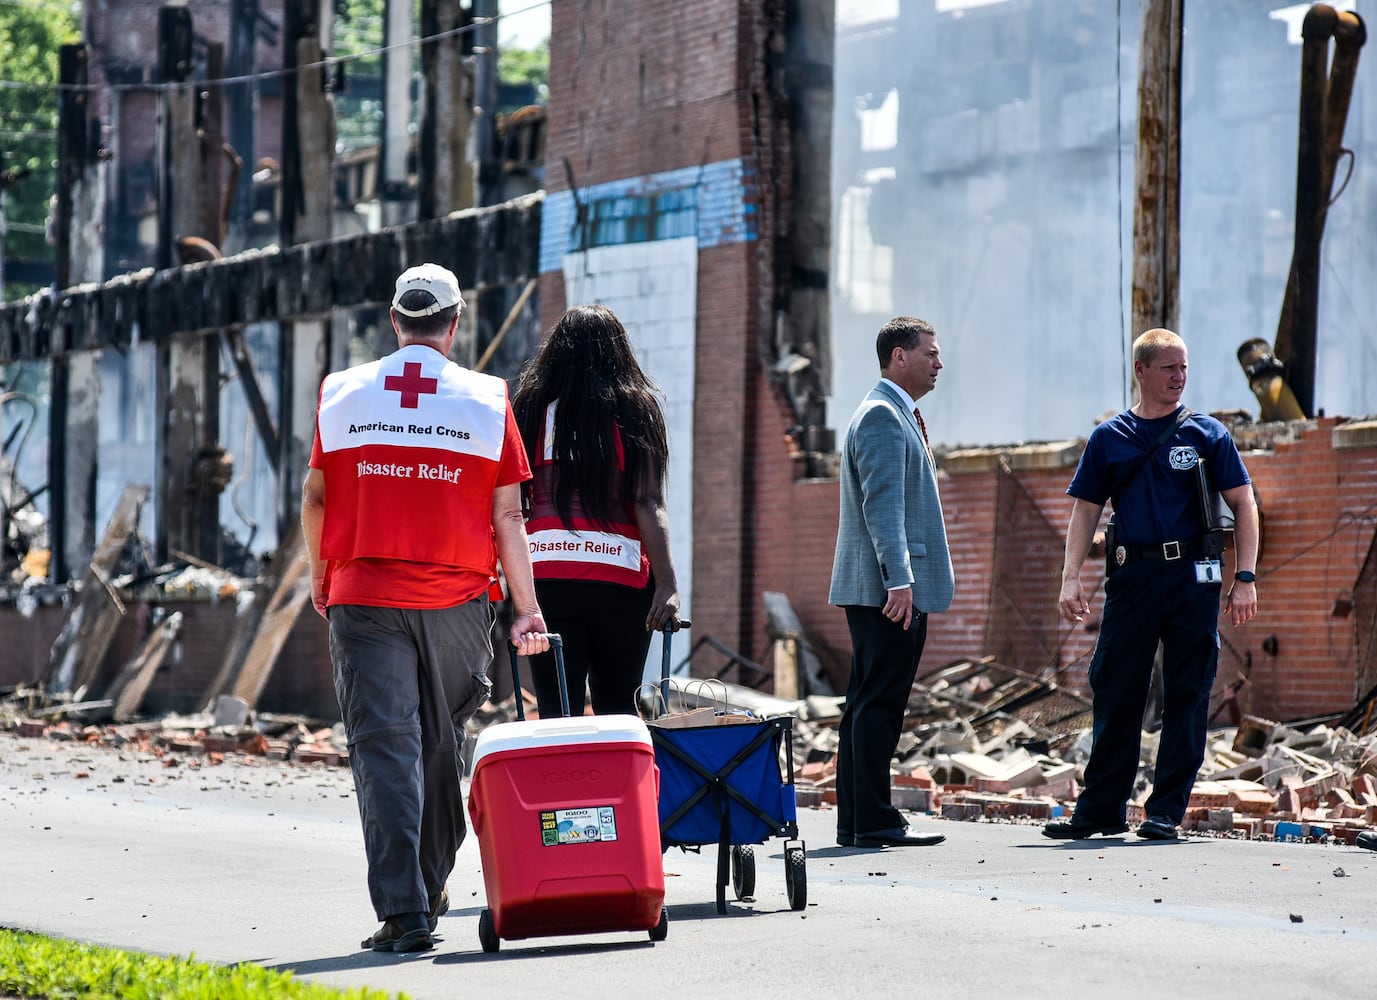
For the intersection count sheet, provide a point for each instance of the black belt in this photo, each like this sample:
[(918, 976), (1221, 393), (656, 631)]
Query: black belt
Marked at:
[(1170, 551)]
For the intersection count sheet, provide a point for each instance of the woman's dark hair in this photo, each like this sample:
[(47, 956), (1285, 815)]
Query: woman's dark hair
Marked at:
[(587, 367)]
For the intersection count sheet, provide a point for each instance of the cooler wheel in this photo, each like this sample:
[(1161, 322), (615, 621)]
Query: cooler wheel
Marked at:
[(661, 930), (487, 933), (743, 872), (796, 877)]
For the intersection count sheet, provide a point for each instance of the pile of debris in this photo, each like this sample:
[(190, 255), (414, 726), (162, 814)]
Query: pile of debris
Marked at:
[(203, 737), (982, 742)]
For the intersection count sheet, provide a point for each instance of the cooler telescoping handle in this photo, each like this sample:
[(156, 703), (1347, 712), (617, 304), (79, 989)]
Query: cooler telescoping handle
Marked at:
[(669, 630), (557, 645)]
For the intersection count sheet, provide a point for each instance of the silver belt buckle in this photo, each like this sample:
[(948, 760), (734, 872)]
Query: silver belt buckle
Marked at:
[(1171, 550)]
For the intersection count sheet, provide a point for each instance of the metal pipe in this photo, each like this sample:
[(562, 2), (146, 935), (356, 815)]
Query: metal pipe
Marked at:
[(1284, 380), (1296, 342), (1323, 115), (1267, 378)]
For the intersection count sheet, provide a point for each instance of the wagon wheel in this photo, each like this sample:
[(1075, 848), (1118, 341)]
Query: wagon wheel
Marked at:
[(796, 877), (661, 930), (743, 871), (487, 932)]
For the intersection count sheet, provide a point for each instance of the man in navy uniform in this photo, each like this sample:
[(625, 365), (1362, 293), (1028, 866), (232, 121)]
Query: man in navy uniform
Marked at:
[(1166, 576)]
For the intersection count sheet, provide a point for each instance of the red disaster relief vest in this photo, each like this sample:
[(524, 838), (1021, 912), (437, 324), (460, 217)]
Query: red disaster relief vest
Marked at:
[(411, 446), (584, 549)]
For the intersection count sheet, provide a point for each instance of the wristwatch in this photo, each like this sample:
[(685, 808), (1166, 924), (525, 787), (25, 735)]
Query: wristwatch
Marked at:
[(1245, 576)]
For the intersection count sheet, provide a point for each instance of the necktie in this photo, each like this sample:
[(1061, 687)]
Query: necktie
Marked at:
[(921, 426)]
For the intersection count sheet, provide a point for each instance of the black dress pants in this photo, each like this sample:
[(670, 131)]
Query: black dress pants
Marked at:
[(884, 662), (605, 645)]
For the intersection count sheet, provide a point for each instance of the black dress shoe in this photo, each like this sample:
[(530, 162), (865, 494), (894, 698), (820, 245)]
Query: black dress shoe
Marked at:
[(846, 839), (1157, 828), (1367, 839), (403, 932), (898, 837), (1073, 829)]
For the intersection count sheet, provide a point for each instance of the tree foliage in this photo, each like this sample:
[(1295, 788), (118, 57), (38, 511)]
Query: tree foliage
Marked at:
[(359, 30), (30, 35), (532, 66)]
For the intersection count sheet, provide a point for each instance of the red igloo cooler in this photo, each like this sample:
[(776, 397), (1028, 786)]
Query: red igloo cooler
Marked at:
[(568, 828)]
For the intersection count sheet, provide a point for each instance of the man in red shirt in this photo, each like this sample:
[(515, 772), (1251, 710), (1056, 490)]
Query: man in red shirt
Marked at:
[(412, 498)]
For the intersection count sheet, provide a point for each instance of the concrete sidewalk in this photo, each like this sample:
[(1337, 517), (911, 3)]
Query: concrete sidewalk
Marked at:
[(263, 862)]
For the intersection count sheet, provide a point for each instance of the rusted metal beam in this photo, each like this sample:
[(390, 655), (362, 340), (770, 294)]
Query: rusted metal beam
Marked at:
[(484, 247)]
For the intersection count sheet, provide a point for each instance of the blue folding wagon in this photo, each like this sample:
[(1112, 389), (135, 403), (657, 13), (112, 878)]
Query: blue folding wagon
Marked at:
[(730, 784)]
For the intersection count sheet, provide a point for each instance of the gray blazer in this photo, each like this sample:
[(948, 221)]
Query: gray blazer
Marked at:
[(891, 529)]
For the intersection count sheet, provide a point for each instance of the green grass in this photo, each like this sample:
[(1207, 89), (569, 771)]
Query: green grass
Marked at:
[(35, 966)]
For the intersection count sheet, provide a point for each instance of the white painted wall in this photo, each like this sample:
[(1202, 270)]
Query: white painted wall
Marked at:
[(653, 289)]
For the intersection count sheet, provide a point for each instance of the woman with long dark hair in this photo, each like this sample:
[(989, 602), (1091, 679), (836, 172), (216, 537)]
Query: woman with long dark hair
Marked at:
[(595, 435)]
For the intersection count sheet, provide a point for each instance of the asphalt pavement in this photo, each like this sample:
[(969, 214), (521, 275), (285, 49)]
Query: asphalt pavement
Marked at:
[(262, 861)]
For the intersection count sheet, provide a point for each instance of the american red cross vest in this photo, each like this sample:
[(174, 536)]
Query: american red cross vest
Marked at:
[(583, 549), (412, 445)]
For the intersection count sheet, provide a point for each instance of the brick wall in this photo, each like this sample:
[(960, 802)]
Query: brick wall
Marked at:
[(301, 682), (1319, 520), (644, 88)]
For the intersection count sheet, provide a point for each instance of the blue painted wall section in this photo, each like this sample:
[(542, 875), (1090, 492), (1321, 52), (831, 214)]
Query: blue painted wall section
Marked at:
[(726, 211)]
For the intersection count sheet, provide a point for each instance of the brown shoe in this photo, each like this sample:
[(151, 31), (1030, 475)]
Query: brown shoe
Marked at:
[(439, 906), (403, 932)]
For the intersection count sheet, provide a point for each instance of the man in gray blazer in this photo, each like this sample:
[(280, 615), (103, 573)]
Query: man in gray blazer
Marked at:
[(892, 569)]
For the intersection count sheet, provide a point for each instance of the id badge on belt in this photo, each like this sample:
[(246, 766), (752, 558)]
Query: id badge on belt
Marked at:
[(1207, 571)]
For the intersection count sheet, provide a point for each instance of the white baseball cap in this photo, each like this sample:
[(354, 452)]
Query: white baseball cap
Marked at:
[(439, 281)]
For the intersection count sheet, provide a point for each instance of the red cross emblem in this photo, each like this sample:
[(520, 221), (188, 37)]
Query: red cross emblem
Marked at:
[(410, 384)]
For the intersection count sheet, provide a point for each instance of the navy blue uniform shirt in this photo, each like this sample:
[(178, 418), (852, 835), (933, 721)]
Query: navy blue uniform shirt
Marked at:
[(1160, 504)]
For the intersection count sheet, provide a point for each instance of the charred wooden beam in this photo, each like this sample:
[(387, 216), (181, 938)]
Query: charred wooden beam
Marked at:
[(484, 247), (90, 624), (444, 174), (188, 368), (74, 415)]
